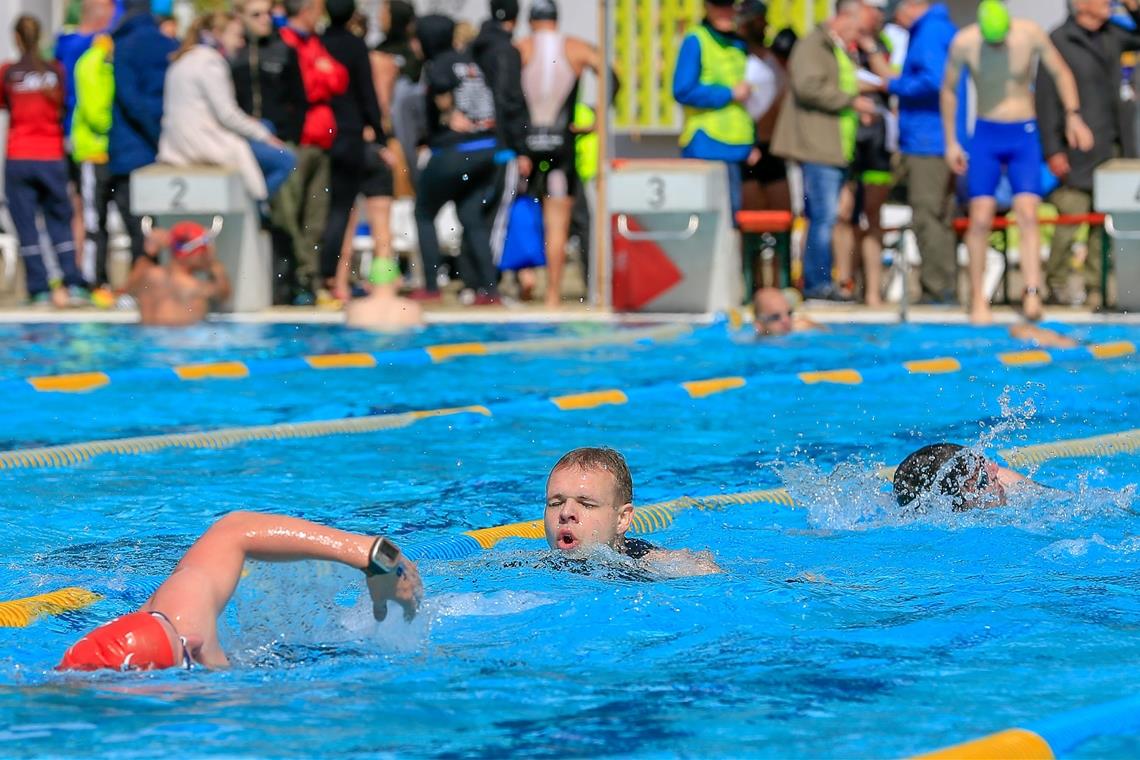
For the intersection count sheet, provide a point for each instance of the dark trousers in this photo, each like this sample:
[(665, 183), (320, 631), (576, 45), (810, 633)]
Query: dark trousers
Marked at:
[(95, 190), (41, 186), (468, 179), (344, 186), (930, 195), (120, 192)]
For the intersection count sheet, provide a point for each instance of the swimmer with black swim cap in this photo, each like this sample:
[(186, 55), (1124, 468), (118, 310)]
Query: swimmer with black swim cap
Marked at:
[(948, 469), (589, 502)]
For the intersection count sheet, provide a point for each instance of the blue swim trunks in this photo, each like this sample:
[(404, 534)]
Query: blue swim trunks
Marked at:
[(1014, 146)]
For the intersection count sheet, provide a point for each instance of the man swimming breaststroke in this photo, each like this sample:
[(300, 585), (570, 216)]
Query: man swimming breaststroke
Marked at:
[(968, 479), (178, 624), (589, 504)]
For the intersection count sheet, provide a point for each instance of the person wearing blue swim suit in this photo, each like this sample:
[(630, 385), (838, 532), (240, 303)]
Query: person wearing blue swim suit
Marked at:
[(1000, 54)]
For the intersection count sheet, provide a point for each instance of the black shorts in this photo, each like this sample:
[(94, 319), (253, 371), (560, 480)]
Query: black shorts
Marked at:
[(565, 161), (872, 162), (768, 170), (376, 179)]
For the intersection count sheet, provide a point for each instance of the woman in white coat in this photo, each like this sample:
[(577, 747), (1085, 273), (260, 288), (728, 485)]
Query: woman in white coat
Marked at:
[(201, 120)]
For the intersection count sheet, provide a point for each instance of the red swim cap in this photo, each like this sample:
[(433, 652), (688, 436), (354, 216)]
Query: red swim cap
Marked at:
[(187, 238), (133, 642)]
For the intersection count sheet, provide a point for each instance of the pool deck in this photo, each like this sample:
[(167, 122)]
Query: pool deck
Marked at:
[(454, 313)]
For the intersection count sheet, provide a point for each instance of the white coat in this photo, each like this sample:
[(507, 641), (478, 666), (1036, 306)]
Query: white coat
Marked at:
[(202, 122)]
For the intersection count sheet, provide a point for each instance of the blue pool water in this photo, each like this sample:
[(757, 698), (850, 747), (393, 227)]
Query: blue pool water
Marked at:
[(837, 628)]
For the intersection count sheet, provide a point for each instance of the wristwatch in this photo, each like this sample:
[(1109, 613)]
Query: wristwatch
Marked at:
[(382, 557)]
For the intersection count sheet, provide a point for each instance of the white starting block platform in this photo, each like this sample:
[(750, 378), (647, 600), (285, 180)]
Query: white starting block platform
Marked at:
[(171, 194), (674, 245)]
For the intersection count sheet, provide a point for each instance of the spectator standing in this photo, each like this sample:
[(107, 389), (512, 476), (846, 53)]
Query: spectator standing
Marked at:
[(930, 186), (94, 19), (360, 142), (1091, 46), (142, 53), (765, 179), (872, 173), (817, 127), (462, 168), (268, 87), (303, 206), (397, 64), (35, 173), (90, 136), (201, 120), (501, 64), (708, 80), (552, 66)]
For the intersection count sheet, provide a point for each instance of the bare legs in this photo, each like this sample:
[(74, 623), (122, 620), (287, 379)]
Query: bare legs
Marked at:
[(981, 223), (1025, 209), (556, 223), (378, 211), (848, 234), (977, 235)]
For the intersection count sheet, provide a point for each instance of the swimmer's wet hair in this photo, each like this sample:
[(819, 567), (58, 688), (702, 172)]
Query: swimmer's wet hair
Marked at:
[(918, 472), (601, 458)]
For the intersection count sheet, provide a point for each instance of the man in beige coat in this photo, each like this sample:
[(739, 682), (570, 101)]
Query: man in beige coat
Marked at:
[(816, 128)]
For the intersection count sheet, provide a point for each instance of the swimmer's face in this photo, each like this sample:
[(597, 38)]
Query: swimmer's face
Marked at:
[(982, 488), (182, 647), (582, 509), (774, 315)]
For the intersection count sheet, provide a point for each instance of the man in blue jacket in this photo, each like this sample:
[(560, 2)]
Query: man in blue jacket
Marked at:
[(142, 53), (929, 181)]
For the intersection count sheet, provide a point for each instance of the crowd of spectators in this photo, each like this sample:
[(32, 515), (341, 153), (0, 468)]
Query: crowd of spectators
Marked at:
[(323, 129), (316, 123), (859, 105)]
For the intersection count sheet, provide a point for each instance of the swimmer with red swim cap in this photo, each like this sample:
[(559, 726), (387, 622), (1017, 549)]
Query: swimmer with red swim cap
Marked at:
[(178, 624), (180, 292)]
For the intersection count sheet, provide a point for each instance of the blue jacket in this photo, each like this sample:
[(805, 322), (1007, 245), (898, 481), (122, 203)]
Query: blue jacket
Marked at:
[(917, 88), (141, 55), (688, 91), (69, 46)]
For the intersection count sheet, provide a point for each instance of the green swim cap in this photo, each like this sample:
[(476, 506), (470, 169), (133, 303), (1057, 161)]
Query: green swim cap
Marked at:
[(384, 271), (993, 20)]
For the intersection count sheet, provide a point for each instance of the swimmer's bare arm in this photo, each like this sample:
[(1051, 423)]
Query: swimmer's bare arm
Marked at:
[(682, 563), (204, 580), (218, 288), (1077, 133), (955, 156)]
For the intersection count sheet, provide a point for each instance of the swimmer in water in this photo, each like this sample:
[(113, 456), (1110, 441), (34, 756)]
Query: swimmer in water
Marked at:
[(775, 315), (178, 624), (382, 309), (589, 502), (971, 480)]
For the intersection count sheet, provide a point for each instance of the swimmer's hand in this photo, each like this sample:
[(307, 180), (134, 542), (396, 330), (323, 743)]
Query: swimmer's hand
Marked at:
[(1077, 133), (402, 586), (956, 159)]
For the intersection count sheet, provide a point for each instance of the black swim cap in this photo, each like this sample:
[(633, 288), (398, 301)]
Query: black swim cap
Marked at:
[(940, 468), (543, 10)]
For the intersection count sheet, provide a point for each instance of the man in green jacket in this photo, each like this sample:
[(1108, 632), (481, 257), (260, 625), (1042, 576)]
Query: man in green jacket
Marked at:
[(90, 127), (817, 127)]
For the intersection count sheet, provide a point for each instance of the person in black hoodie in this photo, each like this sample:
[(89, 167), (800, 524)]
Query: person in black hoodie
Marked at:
[(502, 65), (461, 134), (268, 86), (359, 129)]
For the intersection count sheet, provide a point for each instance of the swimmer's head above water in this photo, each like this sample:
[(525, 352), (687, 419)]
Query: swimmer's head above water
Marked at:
[(589, 500), (970, 480)]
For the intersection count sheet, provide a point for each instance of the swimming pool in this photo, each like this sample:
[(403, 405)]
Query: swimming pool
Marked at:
[(838, 629)]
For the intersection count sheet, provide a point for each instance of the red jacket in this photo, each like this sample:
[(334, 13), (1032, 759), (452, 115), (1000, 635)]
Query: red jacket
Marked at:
[(34, 99), (324, 77)]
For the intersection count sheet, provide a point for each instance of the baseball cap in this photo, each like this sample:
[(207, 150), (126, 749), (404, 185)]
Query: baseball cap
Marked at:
[(187, 238), (721, 3), (504, 10)]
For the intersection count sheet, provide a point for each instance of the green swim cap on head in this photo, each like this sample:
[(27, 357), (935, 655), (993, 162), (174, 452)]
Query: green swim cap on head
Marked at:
[(383, 272), (993, 20)]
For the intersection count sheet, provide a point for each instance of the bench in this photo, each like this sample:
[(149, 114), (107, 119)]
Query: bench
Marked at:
[(171, 194)]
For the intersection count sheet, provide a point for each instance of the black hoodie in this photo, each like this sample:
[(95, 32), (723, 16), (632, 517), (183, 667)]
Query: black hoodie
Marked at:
[(501, 63), (449, 71)]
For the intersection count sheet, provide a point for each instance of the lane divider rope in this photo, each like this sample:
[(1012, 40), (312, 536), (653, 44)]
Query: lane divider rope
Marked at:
[(72, 453), (82, 382)]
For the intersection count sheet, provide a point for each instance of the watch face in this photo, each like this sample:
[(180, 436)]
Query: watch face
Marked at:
[(388, 550)]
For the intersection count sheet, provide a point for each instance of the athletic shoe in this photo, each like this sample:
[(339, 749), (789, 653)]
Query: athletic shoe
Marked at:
[(304, 299), (78, 297), (40, 301), (103, 298), (486, 299), (423, 294)]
